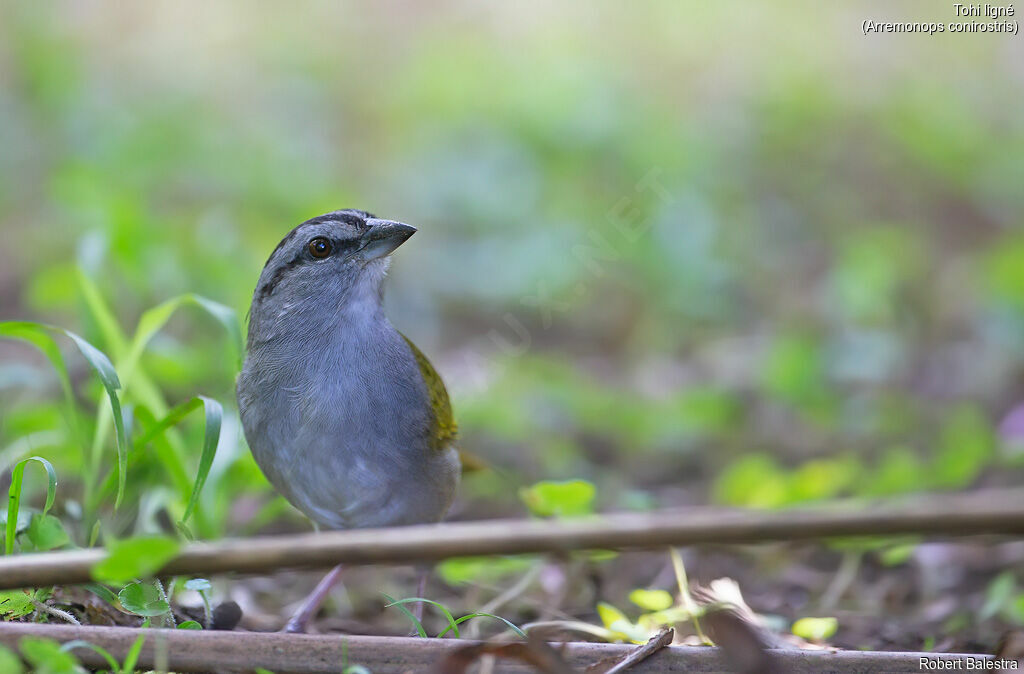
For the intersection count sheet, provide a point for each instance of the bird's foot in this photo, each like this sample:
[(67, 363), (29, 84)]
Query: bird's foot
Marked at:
[(295, 626), (299, 622)]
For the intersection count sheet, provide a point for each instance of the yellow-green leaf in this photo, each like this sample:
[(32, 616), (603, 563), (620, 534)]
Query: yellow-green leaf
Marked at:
[(9, 662), (622, 627), (610, 615), (15, 603), (559, 499), (651, 600), (135, 558), (45, 655), (815, 629), (46, 532)]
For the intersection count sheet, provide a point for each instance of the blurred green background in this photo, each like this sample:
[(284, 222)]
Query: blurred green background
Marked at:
[(724, 252)]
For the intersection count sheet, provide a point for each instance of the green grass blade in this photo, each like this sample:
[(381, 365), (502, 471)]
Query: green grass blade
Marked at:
[(408, 614), (113, 337), (104, 653), (684, 592), (39, 335), (108, 376), (132, 656), (155, 431), (158, 433), (153, 320), (227, 317), (150, 323), (103, 592), (172, 418), (453, 626), (211, 437), (172, 462), (14, 496), (128, 353), (481, 614)]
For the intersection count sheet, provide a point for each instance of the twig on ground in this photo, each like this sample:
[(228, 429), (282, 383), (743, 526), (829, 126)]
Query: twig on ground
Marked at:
[(639, 654), (841, 582), (995, 513)]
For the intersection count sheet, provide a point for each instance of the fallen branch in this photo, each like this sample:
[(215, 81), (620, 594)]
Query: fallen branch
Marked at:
[(640, 653), (204, 651), (994, 513)]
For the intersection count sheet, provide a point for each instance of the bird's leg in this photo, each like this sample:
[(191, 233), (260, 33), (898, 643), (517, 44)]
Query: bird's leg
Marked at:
[(298, 623), (421, 587)]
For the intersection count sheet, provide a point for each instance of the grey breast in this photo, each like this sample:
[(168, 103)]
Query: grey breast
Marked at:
[(341, 427)]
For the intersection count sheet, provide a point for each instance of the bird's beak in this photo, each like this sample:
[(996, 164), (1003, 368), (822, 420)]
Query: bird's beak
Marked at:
[(383, 237)]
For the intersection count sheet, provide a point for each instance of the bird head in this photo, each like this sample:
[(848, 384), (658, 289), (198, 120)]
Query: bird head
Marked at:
[(333, 262)]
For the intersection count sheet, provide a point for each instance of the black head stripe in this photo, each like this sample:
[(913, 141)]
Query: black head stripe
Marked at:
[(349, 216), (267, 288)]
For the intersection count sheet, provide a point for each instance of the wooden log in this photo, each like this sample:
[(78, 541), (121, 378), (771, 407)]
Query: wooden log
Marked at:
[(201, 651), (982, 513)]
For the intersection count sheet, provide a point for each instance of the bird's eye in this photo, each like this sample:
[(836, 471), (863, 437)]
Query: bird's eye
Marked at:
[(320, 247)]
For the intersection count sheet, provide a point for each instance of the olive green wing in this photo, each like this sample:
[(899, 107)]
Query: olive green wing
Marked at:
[(445, 429)]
